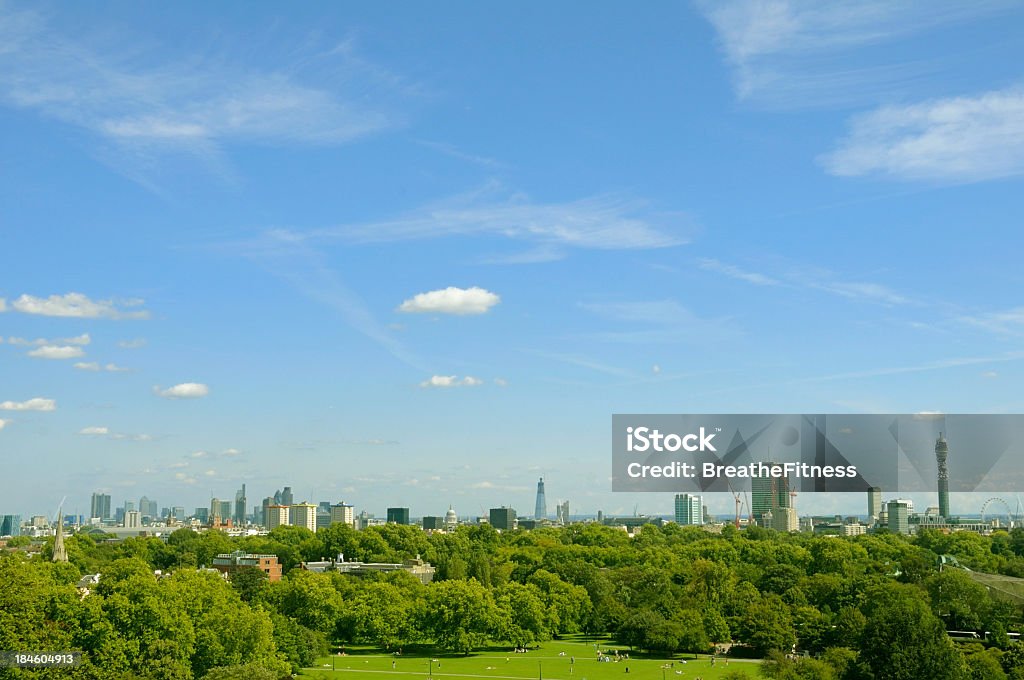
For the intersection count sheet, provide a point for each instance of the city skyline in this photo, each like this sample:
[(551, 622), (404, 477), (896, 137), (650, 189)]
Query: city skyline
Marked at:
[(408, 260)]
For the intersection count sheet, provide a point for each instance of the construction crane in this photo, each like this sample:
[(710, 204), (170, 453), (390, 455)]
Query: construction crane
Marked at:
[(739, 503)]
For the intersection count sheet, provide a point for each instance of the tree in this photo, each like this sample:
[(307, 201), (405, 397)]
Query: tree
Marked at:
[(521, 614), (249, 582), (382, 614), (903, 640), (767, 626), (459, 615)]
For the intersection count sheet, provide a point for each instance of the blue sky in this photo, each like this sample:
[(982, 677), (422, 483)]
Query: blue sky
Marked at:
[(419, 255)]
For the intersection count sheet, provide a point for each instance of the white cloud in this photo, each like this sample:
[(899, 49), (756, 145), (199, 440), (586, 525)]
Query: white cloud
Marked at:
[(95, 366), (3, 423), (78, 305), (445, 381), (57, 352), (3, 305), (199, 454), (960, 139), (132, 344), (231, 453), (800, 53), (83, 339), (655, 369), (990, 374), (451, 300), (501, 382), (183, 391), (96, 431), (34, 404)]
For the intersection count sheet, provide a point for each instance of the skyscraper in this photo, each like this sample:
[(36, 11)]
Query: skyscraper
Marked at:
[(689, 509), (148, 508), (240, 504), (286, 496), (874, 502), (100, 505), (541, 509), (562, 511), (768, 493), (941, 453)]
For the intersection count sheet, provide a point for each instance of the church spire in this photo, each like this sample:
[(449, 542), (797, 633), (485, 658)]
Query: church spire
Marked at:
[(60, 553)]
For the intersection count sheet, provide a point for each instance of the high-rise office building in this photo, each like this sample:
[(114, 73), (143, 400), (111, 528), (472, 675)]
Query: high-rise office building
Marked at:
[(286, 496), (874, 503), (433, 523), (100, 505), (10, 525), (562, 511), (277, 515), (540, 510), (343, 513), (899, 517), (132, 519), (303, 515), (941, 454), (689, 509), (768, 492), (785, 520), (398, 515), (240, 506), (202, 514), (148, 508), (502, 519)]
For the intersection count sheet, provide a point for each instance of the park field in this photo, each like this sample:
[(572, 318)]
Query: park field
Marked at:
[(553, 661)]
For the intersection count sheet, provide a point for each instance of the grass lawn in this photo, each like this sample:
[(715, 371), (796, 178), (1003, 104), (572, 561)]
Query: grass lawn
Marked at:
[(546, 662)]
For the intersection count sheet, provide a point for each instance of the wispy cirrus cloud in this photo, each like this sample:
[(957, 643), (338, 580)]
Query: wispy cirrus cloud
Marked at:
[(808, 53), (814, 279), (735, 272), (602, 222), (955, 140), (133, 95), (1004, 322), (658, 321)]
